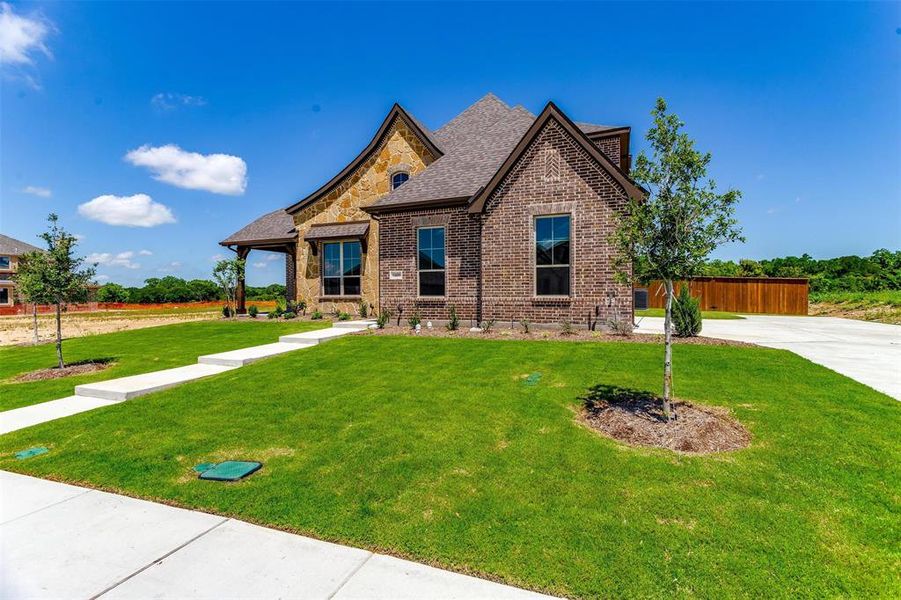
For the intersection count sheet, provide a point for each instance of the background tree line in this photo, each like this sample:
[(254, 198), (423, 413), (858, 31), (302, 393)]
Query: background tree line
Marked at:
[(174, 289)]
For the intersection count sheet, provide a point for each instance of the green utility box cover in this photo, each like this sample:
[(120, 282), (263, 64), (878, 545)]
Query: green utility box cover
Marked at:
[(31, 452), (533, 379), (231, 470)]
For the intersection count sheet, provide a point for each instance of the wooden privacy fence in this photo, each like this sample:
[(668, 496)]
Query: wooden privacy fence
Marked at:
[(775, 296)]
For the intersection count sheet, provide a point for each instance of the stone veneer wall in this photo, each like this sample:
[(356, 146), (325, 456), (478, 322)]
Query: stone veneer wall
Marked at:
[(401, 149)]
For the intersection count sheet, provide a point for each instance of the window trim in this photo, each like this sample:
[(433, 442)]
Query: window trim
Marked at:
[(395, 174), (340, 243), (536, 266), (419, 295)]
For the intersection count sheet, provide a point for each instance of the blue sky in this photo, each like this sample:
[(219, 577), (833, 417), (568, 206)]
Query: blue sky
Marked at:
[(799, 104)]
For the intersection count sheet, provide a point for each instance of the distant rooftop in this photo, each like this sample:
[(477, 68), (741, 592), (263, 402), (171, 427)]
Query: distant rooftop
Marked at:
[(13, 247)]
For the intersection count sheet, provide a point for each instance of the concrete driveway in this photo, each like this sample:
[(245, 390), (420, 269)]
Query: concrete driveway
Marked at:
[(864, 351)]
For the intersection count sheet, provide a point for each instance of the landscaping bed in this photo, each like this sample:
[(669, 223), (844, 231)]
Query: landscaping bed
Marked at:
[(79, 368), (441, 451)]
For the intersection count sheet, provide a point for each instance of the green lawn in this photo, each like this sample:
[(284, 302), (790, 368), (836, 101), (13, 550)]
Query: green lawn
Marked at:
[(435, 449), (705, 314), (135, 352)]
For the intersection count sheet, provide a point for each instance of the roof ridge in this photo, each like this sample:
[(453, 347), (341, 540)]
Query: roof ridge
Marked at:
[(481, 102)]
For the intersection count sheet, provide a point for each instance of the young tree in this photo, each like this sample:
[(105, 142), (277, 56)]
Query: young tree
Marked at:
[(670, 233), (227, 273), (61, 275), (30, 286)]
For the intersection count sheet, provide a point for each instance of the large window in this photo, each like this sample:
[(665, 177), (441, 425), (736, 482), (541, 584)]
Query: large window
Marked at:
[(552, 255), (431, 261), (341, 268)]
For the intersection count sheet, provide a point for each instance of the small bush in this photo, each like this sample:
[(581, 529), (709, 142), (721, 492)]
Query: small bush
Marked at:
[(289, 314), (272, 315), (487, 325), (566, 327), (301, 306), (291, 306), (343, 316), (316, 316), (686, 314), (280, 305), (415, 319), (253, 311), (227, 311), (620, 327), (364, 309), (453, 321), (524, 323), (383, 318)]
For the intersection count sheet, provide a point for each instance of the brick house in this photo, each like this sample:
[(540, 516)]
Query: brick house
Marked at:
[(10, 251), (501, 213)]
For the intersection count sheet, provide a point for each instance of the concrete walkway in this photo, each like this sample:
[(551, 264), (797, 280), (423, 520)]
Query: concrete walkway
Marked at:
[(63, 541), (864, 351), (103, 393)]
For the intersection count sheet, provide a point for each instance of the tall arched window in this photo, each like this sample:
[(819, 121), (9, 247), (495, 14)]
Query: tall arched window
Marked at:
[(398, 179)]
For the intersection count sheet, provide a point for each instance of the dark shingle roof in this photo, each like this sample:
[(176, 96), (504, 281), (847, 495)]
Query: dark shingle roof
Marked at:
[(475, 143), (13, 247), (276, 226), (332, 231)]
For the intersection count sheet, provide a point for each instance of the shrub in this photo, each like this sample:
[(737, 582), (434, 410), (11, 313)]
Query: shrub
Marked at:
[(487, 325), (291, 306), (290, 314), (227, 311), (253, 311), (686, 314), (317, 315), (619, 326), (453, 321), (272, 315), (566, 327), (383, 318), (524, 323), (415, 319), (343, 316), (364, 309), (280, 305), (301, 306)]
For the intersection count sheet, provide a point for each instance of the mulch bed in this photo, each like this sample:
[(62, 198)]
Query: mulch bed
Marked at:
[(636, 418), (577, 335), (79, 368)]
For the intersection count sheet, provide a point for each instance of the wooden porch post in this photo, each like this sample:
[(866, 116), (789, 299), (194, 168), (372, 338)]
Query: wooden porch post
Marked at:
[(239, 292)]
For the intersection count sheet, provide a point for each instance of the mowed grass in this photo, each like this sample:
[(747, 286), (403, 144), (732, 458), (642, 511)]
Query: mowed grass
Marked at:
[(705, 314), (134, 352), (436, 450)]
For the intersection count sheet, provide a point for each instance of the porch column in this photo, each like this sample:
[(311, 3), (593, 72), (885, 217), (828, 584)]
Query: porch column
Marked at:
[(291, 272), (239, 291)]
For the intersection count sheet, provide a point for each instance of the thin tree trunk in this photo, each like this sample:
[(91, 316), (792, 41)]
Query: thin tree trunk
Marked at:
[(34, 314), (668, 352), (59, 337)]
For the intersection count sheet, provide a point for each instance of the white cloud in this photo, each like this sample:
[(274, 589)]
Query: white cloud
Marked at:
[(217, 173), (21, 37), (169, 268), (167, 101), (37, 191), (216, 257), (101, 278), (273, 257), (260, 265), (145, 253), (107, 259), (131, 211)]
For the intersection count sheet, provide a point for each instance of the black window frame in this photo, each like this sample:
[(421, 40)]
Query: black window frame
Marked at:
[(553, 265), (342, 288), (442, 270)]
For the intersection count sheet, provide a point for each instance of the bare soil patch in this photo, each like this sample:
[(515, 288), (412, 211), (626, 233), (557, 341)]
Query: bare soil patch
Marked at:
[(636, 418), (552, 334), (18, 330), (79, 368)]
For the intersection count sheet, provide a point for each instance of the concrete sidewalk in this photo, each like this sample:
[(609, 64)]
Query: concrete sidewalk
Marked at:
[(63, 541), (864, 351)]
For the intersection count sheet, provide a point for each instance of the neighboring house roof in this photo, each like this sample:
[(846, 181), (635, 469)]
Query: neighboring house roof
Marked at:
[(552, 112), (476, 143), (331, 231), (396, 112), (13, 247), (277, 226)]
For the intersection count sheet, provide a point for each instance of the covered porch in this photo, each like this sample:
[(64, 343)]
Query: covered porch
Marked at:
[(273, 232)]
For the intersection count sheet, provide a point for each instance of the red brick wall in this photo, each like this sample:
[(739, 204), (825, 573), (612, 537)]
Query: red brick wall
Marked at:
[(554, 176), (611, 147)]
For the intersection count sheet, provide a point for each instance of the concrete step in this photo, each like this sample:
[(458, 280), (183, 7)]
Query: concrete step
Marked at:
[(245, 356), (126, 388), (361, 324), (318, 336), (20, 418)]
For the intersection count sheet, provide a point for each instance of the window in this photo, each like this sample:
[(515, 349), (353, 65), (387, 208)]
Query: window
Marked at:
[(4, 295), (398, 179), (4, 262), (341, 268), (431, 261), (552, 256)]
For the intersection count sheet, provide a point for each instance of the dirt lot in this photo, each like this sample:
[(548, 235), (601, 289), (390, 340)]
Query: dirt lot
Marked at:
[(19, 329)]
